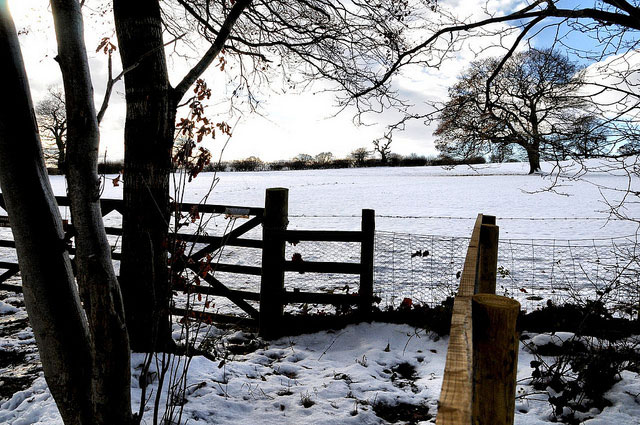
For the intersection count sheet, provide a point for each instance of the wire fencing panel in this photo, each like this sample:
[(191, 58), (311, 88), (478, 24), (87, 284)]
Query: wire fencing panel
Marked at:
[(569, 271), (423, 268), (427, 269)]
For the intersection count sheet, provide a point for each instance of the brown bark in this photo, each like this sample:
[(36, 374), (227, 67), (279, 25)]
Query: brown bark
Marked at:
[(62, 168), (110, 377), (149, 129), (52, 302)]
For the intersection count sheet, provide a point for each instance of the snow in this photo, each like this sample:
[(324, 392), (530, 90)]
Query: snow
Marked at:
[(446, 201), (345, 373), (7, 308), (336, 370), (34, 405), (625, 396), (433, 208), (557, 338)]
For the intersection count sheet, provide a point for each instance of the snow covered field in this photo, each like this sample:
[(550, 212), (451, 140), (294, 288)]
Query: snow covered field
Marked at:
[(346, 376), (549, 240), (418, 199)]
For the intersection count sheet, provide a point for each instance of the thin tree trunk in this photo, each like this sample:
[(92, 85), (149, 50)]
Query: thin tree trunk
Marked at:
[(55, 314), (111, 375), (149, 129), (62, 169)]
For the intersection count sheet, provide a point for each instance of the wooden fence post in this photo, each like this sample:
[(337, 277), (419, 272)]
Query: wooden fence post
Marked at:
[(495, 359), (366, 260), (272, 282), (487, 259)]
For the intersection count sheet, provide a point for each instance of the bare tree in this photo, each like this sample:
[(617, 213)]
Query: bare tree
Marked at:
[(302, 161), (110, 378), (85, 354), (532, 103), (359, 156), (52, 121), (611, 26), (383, 147), (332, 40), (252, 163), (323, 159), (588, 137)]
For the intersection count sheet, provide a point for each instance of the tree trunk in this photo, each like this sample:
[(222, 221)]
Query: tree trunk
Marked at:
[(111, 375), (533, 147), (50, 295), (533, 154), (149, 132), (62, 167), (149, 129)]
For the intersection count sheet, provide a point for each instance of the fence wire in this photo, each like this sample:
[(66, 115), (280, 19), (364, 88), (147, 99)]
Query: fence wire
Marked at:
[(427, 269)]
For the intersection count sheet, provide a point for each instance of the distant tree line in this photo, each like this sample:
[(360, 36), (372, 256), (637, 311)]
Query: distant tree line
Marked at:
[(322, 161), (326, 160)]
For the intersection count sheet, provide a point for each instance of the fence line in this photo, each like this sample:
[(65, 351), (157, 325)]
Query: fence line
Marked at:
[(426, 268), (443, 217), (201, 262), (479, 379)]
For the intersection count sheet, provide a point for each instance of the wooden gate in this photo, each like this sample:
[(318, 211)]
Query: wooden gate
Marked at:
[(195, 260), (213, 243), (273, 295)]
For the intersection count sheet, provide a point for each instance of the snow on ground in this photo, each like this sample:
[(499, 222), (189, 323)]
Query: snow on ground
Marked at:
[(334, 377), (7, 308), (342, 375), (394, 193)]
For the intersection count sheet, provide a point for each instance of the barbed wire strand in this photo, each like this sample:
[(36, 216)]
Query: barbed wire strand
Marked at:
[(442, 217)]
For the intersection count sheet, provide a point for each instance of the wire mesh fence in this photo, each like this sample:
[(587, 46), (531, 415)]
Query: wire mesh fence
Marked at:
[(423, 268), (427, 268)]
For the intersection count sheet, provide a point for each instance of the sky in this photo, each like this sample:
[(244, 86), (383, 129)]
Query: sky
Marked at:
[(286, 124)]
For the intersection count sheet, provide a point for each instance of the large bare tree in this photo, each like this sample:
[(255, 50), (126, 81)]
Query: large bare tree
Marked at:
[(603, 32), (534, 103), (52, 122)]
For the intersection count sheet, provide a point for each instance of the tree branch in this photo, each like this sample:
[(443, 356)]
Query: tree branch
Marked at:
[(602, 16), (112, 81), (626, 6), (210, 55), (506, 57)]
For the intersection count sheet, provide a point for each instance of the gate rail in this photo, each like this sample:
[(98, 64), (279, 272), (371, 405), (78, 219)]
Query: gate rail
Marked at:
[(272, 296)]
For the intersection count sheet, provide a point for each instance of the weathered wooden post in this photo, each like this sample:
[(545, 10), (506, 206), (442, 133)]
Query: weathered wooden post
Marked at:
[(487, 258), (276, 208), (495, 359), (366, 260)]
